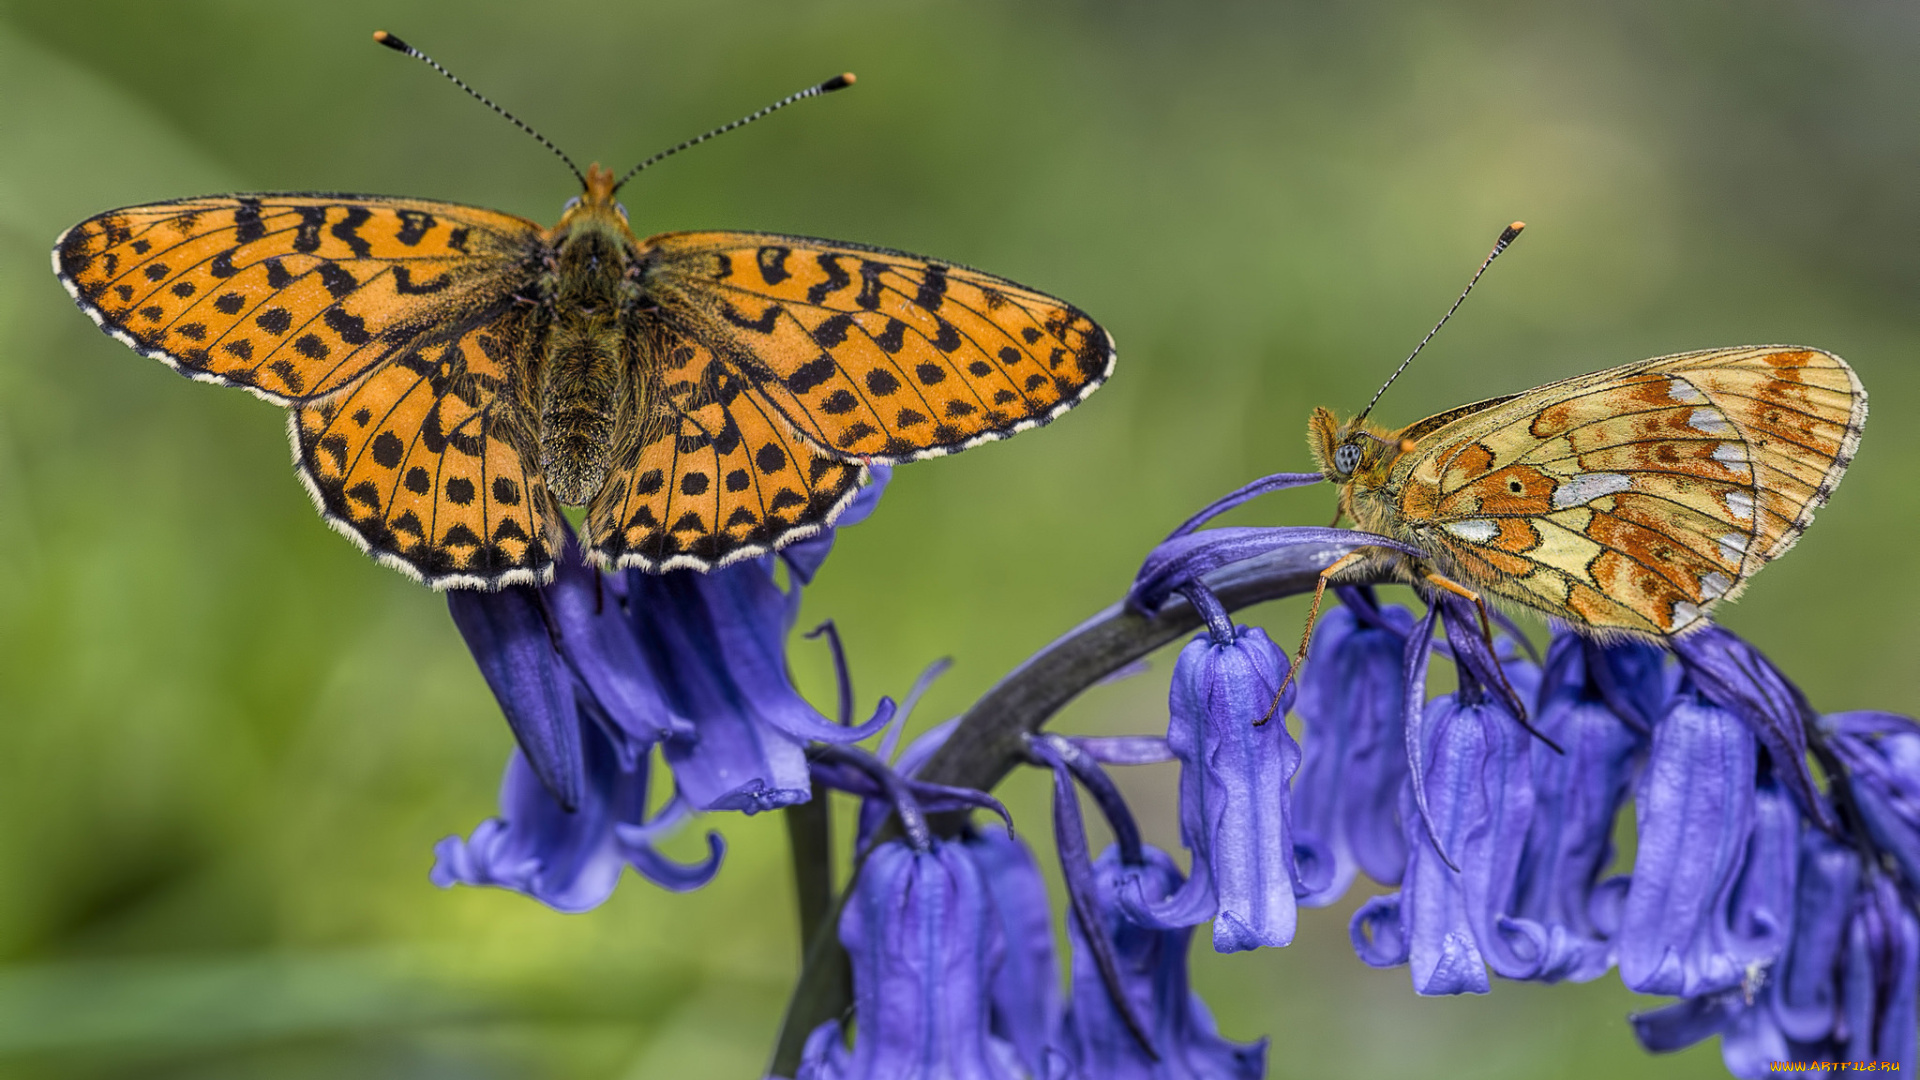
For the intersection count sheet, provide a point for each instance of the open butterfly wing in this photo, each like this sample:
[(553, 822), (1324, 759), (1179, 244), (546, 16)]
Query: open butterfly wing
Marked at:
[(1636, 498), (716, 474), (421, 463), (877, 354), (290, 296)]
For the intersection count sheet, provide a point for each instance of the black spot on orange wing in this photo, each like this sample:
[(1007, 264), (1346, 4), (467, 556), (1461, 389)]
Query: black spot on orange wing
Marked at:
[(425, 472), (847, 328), (339, 282), (717, 484)]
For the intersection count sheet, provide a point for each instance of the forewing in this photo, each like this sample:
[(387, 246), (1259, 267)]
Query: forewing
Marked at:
[(426, 465), (1635, 499), (291, 296), (878, 354), (716, 474)]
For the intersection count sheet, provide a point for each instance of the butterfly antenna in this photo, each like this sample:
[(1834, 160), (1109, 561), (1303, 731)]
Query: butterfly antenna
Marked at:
[(1506, 237), (397, 45), (838, 82)]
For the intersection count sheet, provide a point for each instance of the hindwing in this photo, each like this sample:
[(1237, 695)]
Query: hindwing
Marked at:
[(877, 354), (715, 474), (293, 297), (427, 464), (1635, 499)]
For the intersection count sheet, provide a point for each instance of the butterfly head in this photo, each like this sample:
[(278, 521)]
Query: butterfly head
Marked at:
[(596, 201), (1351, 449)]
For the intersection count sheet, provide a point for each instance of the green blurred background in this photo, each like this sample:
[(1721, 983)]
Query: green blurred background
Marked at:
[(230, 740)]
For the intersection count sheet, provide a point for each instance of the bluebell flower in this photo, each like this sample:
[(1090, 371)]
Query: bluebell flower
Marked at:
[(1466, 810), (1713, 874), (1880, 979), (1735, 676), (1881, 753), (1843, 992), (925, 941), (513, 643), (1750, 1040), (1577, 795), (1347, 793), (928, 937), (1026, 1007), (570, 860), (1805, 998), (1151, 964), (694, 661), (1131, 1013), (716, 643), (1235, 813)]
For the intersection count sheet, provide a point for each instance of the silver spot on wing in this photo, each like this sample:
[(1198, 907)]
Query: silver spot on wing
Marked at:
[(1473, 530), (1587, 487)]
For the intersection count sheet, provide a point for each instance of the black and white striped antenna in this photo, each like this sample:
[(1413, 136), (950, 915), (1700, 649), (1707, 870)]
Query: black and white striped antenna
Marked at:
[(838, 82), (399, 46), (1506, 237)]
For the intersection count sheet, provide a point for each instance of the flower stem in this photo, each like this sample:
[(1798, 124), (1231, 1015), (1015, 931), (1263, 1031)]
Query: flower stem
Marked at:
[(991, 737), (810, 839)]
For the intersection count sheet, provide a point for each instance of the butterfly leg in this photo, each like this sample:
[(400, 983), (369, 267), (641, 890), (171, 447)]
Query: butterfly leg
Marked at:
[(1449, 585), (1306, 636), (1439, 581)]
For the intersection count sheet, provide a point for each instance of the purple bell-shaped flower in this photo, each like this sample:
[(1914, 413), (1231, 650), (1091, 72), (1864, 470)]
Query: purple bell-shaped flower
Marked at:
[(1347, 793)]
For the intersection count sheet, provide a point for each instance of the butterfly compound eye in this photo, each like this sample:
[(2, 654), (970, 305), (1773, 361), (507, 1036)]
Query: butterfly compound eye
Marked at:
[(1346, 457)]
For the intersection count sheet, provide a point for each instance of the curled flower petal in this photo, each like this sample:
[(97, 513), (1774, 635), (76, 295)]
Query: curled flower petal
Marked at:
[(1152, 966), (570, 860), (1347, 792), (1378, 932)]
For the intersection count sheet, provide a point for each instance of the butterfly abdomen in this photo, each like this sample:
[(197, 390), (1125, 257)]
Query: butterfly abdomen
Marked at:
[(584, 370), (581, 386)]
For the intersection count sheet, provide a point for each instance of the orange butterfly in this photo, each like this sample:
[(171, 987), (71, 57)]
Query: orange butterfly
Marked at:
[(456, 375), (1625, 503)]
